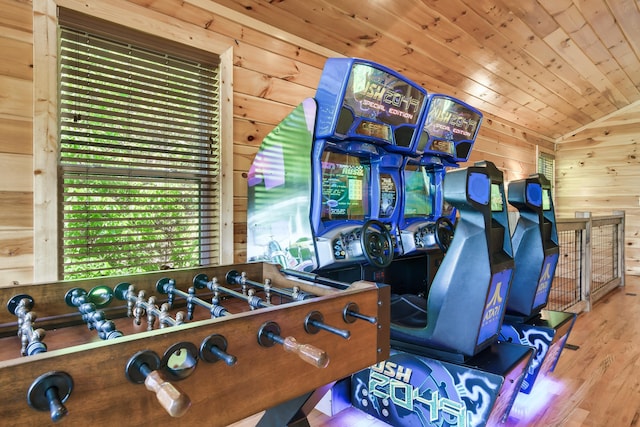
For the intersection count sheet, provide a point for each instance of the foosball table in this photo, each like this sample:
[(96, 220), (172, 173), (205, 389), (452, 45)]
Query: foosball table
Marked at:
[(209, 345)]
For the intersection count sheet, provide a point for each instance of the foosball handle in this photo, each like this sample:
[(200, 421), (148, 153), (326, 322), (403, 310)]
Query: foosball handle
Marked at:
[(170, 397), (214, 348), (315, 321), (351, 313), (307, 352), (49, 391), (269, 334), (143, 368)]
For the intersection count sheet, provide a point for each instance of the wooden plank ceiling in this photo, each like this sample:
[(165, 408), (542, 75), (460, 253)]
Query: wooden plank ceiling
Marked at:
[(549, 66)]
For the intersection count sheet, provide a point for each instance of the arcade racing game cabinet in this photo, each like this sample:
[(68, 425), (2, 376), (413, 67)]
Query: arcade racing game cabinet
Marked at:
[(446, 367), (325, 186), (535, 247)]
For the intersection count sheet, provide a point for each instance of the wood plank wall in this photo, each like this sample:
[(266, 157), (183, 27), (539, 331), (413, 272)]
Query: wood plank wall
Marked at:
[(272, 74), (598, 170), (16, 142)]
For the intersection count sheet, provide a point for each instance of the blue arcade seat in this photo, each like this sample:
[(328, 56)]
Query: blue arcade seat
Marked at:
[(536, 251), (464, 309), (535, 246)]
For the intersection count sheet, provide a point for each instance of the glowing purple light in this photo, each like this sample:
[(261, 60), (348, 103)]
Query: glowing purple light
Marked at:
[(527, 406)]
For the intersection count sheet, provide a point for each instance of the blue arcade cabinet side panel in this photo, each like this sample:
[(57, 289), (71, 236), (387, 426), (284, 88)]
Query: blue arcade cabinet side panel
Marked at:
[(494, 308), (409, 390), (551, 243), (279, 193), (547, 334), (546, 277)]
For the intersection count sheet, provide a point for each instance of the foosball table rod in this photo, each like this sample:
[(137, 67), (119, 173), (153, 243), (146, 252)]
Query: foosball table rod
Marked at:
[(213, 348), (233, 277), (168, 287), (49, 392), (201, 281), (313, 322), (351, 313)]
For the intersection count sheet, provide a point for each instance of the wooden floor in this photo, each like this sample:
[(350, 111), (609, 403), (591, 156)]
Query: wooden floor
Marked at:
[(596, 385)]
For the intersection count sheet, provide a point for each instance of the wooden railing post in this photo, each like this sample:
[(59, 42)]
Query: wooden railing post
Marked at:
[(621, 245)]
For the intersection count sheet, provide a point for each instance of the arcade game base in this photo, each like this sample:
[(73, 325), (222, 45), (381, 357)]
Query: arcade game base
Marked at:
[(547, 333), (409, 389)]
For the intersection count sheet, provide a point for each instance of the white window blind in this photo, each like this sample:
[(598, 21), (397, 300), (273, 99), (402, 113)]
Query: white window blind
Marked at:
[(139, 158)]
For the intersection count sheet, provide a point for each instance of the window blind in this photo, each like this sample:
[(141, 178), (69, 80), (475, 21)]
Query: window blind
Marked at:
[(139, 158)]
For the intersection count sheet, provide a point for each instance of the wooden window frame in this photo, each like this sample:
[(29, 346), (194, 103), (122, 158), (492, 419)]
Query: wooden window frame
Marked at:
[(45, 121)]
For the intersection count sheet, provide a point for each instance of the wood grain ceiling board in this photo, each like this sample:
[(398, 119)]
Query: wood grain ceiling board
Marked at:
[(549, 66)]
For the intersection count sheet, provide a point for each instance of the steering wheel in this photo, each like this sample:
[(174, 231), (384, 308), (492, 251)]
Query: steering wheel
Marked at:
[(444, 233), (377, 243)]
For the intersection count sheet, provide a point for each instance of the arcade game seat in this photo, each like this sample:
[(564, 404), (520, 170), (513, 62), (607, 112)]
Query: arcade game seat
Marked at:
[(465, 305), (536, 251), (535, 245)]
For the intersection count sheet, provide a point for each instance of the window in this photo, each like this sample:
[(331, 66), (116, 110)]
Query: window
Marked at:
[(139, 166), (546, 166)]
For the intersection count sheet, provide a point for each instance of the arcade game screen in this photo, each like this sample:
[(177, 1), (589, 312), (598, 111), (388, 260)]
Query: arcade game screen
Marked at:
[(388, 195), (383, 101), (345, 186), (496, 198), (419, 194), (448, 123), (546, 200)]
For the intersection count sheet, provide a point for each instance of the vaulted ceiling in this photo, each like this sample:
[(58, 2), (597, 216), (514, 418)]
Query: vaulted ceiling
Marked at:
[(550, 66)]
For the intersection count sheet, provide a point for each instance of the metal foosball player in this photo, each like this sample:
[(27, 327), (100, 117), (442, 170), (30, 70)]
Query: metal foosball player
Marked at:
[(313, 321), (168, 287), (201, 281), (94, 318), (138, 306), (293, 294), (30, 338)]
